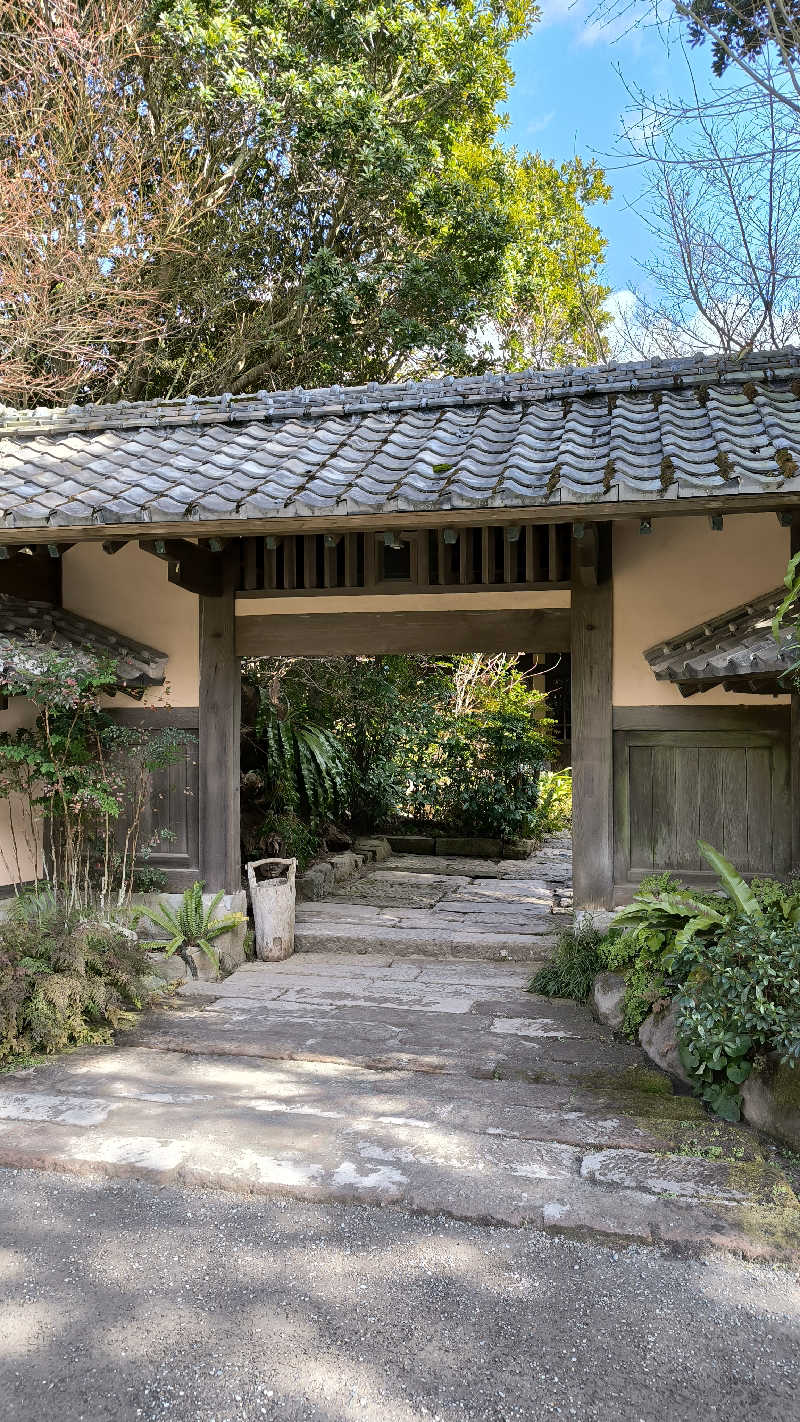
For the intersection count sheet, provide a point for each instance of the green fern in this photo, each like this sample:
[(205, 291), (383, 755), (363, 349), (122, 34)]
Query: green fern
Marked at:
[(309, 757), (190, 925)]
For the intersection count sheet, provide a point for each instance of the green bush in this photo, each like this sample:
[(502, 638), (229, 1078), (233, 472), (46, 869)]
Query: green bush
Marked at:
[(574, 965), (452, 742), (740, 999), (65, 979), (479, 774), (553, 812), (732, 961)]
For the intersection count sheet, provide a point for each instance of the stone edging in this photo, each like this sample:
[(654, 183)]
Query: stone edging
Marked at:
[(461, 846), (319, 879)]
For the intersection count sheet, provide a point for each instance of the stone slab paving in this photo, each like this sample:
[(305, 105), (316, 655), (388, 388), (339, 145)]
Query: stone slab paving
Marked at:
[(440, 1087), (446, 907)]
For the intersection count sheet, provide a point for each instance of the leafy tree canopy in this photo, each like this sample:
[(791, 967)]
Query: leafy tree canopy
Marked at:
[(376, 223), (744, 29), (360, 218)]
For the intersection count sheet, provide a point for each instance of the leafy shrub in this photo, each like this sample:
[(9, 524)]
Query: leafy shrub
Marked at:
[(190, 925), (732, 960), (65, 979), (311, 759), (82, 780), (149, 879), (456, 742), (574, 965), (479, 775), (741, 998), (287, 835), (553, 812)]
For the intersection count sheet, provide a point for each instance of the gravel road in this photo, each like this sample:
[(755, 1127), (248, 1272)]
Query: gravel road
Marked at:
[(119, 1300)]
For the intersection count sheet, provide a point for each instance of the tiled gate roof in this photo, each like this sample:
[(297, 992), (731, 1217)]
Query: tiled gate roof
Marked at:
[(652, 431)]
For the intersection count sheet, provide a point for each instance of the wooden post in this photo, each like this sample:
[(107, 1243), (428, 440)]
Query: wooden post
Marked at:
[(220, 725), (592, 783), (794, 735)]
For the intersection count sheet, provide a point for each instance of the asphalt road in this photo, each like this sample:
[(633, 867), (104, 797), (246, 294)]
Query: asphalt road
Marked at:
[(119, 1300)]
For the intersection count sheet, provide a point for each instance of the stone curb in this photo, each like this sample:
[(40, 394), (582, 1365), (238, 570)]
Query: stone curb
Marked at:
[(578, 1209), (319, 879), (461, 846)]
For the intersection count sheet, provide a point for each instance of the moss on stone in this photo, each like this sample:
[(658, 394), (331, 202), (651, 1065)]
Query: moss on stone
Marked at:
[(648, 1105), (705, 1139), (764, 1183), (785, 1087), (770, 1233), (634, 1078)]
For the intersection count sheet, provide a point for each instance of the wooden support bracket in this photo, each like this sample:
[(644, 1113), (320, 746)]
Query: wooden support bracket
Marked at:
[(196, 569)]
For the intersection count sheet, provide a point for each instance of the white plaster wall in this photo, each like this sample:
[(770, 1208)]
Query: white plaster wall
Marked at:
[(130, 592), (674, 577)]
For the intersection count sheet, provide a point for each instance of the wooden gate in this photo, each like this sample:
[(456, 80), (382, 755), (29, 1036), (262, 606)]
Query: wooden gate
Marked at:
[(686, 773), (172, 815)]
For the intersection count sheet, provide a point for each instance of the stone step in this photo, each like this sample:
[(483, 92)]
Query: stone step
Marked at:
[(349, 935), (502, 1042), (84, 1089), (372, 1150), (383, 967), (557, 872), (476, 919), (519, 918)]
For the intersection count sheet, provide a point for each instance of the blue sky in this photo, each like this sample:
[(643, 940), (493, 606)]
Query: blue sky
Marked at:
[(568, 99)]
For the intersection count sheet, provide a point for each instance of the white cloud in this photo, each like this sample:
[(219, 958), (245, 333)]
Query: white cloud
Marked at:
[(554, 12), (591, 27), (620, 305), (538, 125)]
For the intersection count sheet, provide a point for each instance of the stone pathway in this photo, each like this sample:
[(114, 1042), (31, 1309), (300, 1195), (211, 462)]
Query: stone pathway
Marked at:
[(507, 910), (440, 1087), (394, 1060)]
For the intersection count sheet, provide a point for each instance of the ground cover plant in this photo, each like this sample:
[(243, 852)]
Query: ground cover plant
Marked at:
[(574, 965), (66, 979), (729, 960), (447, 744)]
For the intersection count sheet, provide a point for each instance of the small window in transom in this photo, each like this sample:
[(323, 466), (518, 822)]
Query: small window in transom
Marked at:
[(396, 561)]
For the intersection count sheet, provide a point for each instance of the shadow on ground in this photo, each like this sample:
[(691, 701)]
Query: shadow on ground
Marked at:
[(124, 1301)]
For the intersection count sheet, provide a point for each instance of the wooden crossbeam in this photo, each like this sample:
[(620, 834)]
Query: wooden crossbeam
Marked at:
[(339, 634)]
